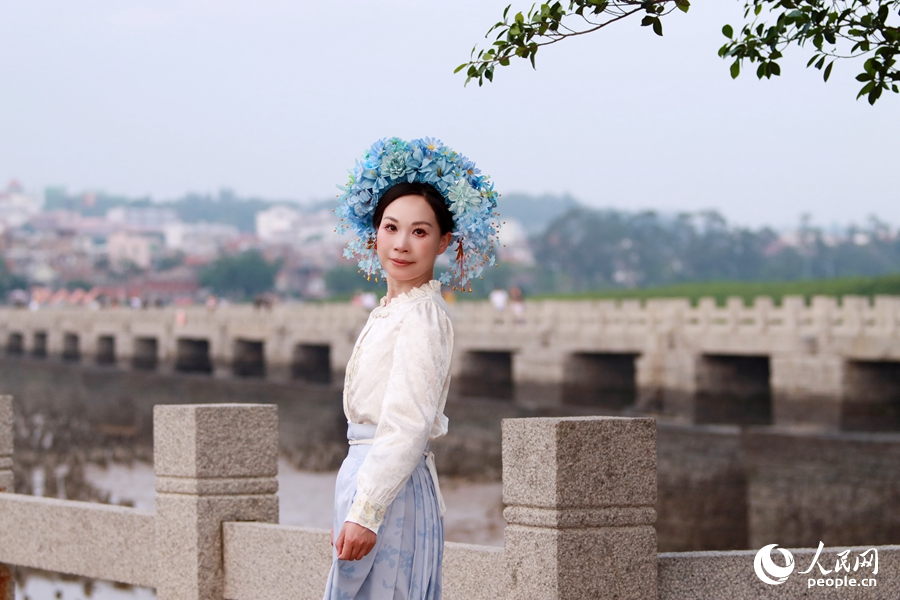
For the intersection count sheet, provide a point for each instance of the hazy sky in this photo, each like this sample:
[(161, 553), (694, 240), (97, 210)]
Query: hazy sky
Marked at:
[(277, 98)]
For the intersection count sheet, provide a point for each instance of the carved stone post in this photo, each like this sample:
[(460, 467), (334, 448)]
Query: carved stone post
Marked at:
[(214, 463), (580, 495)]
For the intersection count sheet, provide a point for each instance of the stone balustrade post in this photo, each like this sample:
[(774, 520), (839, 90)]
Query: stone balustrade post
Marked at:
[(7, 583), (214, 463), (580, 495)]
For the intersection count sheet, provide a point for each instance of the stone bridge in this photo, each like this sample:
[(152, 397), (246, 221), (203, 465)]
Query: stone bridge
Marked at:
[(829, 364)]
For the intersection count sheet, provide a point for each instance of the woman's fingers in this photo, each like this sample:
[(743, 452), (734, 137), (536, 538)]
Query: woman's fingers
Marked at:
[(346, 544), (354, 542), (339, 544)]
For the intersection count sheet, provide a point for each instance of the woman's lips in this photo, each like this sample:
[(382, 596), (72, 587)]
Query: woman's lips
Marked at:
[(400, 263)]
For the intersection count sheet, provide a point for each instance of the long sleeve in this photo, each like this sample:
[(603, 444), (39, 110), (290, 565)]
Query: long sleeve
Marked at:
[(416, 389)]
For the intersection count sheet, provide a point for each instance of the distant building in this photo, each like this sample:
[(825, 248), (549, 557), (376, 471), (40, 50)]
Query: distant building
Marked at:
[(285, 225), (142, 218), (180, 282), (199, 239), (276, 223), (17, 207), (139, 249)]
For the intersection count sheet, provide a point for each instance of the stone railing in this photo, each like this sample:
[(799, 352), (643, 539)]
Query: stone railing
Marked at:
[(579, 495)]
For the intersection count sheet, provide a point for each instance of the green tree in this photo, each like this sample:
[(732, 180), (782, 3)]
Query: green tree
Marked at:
[(831, 29), (589, 249), (344, 280), (9, 281), (242, 275), (169, 261)]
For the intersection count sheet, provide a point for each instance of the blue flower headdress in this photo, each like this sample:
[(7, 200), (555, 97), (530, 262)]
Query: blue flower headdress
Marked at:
[(469, 195)]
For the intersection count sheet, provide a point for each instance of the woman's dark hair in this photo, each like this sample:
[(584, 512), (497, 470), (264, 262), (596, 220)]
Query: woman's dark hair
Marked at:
[(425, 190)]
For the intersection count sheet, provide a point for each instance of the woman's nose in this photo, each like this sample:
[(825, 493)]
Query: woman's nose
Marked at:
[(401, 243)]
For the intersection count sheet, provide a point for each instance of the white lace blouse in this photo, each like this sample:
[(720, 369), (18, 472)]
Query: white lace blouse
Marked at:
[(397, 379)]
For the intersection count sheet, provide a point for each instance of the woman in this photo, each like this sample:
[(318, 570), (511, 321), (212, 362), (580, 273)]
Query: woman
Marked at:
[(406, 202)]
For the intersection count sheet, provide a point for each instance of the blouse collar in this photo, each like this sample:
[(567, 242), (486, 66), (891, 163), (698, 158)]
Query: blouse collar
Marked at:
[(431, 287)]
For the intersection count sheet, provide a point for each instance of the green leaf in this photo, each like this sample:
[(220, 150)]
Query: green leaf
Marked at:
[(460, 67), (683, 5), (866, 89), (728, 31), (827, 73), (735, 69), (657, 27), (874, 94)]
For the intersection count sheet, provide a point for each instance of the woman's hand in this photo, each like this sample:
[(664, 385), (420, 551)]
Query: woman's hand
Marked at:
[(354, 541)]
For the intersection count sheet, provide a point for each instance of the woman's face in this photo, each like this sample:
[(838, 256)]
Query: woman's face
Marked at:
[(409, 239)]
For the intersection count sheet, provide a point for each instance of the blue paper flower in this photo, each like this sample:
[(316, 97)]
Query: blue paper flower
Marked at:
[(463, 197)]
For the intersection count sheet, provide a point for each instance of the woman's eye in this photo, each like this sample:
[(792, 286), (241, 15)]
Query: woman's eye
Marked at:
[(390, 227), (419, 232)]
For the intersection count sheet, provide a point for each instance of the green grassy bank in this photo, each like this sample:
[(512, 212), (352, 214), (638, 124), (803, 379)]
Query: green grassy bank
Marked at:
[(720, 290)]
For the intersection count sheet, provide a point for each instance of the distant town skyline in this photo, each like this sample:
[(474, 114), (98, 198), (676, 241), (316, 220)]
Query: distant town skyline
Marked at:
[(276, 100)]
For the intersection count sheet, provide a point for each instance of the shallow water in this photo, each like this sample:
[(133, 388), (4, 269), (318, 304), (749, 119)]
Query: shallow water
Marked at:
[(42, 588), (474, 510)]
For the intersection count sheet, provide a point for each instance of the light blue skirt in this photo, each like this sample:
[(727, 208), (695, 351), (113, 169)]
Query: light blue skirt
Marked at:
[(405, 563)]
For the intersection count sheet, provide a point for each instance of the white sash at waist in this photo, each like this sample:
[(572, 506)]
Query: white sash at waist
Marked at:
[(429, 462)]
